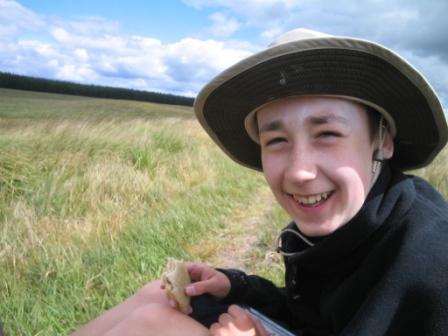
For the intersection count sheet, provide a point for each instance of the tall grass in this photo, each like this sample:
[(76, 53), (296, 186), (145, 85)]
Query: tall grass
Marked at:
[(437, 172), (91, 205), (95, 194)]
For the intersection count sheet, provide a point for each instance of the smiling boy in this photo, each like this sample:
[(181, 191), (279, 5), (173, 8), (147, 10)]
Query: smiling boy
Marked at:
[(331, 122)]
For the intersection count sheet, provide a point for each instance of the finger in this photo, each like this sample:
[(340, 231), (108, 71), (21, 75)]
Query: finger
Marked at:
[(242, 316), (193, 267), (216, 330), (214, 327), (257, 324), (242, 320), (225, 319), (236, 311), (201, 287), (173, 304), (199, 271), (260, 329)]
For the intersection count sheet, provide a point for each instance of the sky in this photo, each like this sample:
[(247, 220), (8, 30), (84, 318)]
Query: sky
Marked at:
[(177, 46)]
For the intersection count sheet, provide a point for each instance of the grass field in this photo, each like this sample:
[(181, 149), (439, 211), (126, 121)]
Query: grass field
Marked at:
[(95, 194)]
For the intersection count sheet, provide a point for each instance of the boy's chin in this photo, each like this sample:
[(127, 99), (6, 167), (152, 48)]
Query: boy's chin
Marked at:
[(314, 230)]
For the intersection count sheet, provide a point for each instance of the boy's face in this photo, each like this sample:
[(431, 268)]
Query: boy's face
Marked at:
[(317, 159)]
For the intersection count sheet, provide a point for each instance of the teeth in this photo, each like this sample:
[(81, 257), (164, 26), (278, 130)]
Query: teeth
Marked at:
[(311, 200)]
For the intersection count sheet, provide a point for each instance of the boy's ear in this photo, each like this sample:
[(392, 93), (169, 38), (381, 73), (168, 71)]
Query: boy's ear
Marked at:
[(387, 150), (388, 146)]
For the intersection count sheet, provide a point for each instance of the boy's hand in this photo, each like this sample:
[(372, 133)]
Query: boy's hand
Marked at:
[(237, 322), (206, 280)]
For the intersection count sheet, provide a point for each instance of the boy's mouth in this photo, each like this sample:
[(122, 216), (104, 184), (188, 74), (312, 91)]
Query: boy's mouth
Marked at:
[(313, 200)]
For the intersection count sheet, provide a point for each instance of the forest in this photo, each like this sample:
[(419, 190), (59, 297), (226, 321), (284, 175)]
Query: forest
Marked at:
[(19, 82)]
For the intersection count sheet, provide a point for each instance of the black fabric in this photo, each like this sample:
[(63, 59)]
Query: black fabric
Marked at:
[(383, 273), (206, 309)]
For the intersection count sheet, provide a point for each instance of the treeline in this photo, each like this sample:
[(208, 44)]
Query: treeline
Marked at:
[(19, 82)]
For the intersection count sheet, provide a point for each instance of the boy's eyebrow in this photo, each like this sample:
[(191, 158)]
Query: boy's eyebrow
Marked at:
[(271, 126), (314, 120), (319, 120)]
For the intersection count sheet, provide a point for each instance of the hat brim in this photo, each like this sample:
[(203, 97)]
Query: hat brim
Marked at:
[(325, 66)]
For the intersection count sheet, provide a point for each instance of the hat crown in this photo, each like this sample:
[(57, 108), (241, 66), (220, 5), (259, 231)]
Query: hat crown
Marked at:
[(297, 35)]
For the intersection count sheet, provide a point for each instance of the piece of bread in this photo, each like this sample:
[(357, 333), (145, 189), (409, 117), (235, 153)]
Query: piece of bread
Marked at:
[(175, 279)]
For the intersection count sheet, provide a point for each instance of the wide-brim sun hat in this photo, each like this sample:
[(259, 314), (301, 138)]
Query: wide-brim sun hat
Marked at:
[(307, 63)]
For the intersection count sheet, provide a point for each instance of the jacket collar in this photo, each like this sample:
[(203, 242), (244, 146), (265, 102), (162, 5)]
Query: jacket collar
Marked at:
[(388, 200)]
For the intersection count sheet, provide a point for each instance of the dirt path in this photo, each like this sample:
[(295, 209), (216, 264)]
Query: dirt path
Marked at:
[(246, 242)]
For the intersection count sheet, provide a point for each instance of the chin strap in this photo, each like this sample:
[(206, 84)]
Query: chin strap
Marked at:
[(378, 158), (279, 242)]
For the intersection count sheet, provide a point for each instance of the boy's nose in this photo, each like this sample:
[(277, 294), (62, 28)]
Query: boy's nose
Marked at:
[(301, 167)]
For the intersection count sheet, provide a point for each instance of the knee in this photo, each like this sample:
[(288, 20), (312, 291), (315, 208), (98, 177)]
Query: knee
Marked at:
[(149, 315), (152, 293), (158, 319), (148, 319)]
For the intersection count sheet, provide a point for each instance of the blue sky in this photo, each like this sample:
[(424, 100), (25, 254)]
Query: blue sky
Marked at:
[(177, 46), (135, 17)]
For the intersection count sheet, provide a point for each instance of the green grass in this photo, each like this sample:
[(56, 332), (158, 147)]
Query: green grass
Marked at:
[(437, 173), (16, 105), (95, 194)]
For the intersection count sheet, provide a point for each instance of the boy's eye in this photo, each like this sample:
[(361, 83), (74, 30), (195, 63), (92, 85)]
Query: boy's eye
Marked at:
[(274, 141), (327, 134)]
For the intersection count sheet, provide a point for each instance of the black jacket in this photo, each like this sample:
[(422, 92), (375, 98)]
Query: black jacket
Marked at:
[(383, 273)]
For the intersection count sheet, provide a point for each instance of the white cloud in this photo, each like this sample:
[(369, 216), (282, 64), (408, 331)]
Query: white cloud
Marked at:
[(94, 51), (13, 12), (239, 6), (431, 67), (255, 12), (222, 25), (410, 27), (39, 48), (270, 34), (93, 25), (75, 72), (416, 24), (81, 54), (200, 56), (70, 39), (60, 35), (14, 18)]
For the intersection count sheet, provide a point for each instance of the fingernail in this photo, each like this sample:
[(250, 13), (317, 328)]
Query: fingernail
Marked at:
[(190, 290), (190, 310)]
